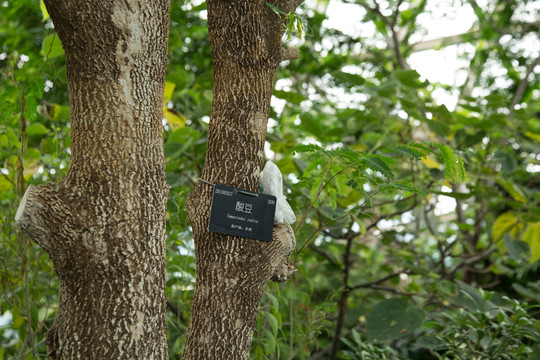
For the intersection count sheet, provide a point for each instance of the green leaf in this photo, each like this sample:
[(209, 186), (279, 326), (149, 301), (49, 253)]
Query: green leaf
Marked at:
[(51, 47), (312, 124), (439, 128), (201, 7), (275, 9), (472, 298), (532, 135), (270, 342), (273, 323), (504, 223), (18, 322), (36, 129), (461, 174), (169, 89), (381, 26), (273, 300), (309, 148), (175, 118), (507, 161), (388, 89), (409, 78), (526, 292), (513, 190), (518, 250), (289, 96), (43, 9), (392, 319), (348, 78), (532, 237), (57, 112)]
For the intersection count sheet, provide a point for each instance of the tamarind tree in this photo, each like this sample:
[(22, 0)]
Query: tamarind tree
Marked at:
[(231, 272), (103, 225)]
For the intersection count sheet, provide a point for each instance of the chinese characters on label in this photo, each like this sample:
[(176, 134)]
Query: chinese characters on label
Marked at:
[(244, 207), (240, 227)]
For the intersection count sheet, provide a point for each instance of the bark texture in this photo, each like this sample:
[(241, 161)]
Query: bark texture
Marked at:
[(103, 226), (231, 272)]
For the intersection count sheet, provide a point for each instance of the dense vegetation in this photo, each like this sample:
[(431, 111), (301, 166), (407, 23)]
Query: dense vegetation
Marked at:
[(418, 224)]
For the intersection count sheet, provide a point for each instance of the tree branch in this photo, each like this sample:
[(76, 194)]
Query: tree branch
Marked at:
[(471, 260), (342, 304), (319, 191), (395, 213), (175, 310), (370, 284), (523, 85), (323, 253), (394, 291)]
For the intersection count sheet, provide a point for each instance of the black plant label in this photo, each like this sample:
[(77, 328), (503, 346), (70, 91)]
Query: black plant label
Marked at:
[(242, 213)]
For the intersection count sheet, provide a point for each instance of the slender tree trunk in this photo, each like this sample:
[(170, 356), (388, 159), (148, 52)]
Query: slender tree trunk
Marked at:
[(231, 271), (103, 226)]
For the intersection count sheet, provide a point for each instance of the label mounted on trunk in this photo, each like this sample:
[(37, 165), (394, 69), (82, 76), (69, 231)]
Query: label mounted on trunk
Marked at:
[(242, 213)]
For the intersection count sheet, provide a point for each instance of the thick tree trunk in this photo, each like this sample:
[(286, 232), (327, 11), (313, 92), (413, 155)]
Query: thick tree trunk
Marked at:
[(232, 271), (103, 226)]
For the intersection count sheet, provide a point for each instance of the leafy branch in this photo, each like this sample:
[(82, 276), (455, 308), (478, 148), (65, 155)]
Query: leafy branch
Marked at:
[(290, 22)]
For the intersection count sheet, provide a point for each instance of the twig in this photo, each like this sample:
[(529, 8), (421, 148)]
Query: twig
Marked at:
[(395, 291), (323, 253), (370, 284), (176, 311), (522, 86), (386, 202), (396, 13), (391, 215), (331, 222), (342, 304), (471, 260), (319, 191)]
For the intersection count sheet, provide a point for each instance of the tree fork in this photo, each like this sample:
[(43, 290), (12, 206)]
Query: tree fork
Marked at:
[(103, 226), (232, 272)]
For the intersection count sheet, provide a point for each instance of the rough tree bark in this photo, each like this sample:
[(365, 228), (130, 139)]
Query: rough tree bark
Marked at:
[(103, 226), (245, 36)]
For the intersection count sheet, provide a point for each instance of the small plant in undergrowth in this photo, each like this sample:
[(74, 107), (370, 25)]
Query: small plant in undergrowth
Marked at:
[(483, 327), (364, 350)]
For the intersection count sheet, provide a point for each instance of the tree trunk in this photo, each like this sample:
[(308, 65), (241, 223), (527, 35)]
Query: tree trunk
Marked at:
[(231, 272), (103, 226)]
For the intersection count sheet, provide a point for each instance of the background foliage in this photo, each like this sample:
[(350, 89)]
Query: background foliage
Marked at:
[(369, 155)]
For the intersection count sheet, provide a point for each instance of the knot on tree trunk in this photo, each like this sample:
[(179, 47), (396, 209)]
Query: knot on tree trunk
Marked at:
[(43, 215), (50, 216), (289, 53)]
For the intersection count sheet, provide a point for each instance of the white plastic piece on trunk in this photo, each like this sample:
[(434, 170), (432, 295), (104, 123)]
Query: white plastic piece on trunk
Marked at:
[(272, 182)]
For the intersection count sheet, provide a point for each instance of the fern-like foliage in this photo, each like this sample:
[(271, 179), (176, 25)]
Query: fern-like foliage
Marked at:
[(376, 162), (384, 163), (414, 151), (453, 165)]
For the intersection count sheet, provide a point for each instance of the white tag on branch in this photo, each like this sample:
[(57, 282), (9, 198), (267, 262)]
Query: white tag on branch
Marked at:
[(272, 183)]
